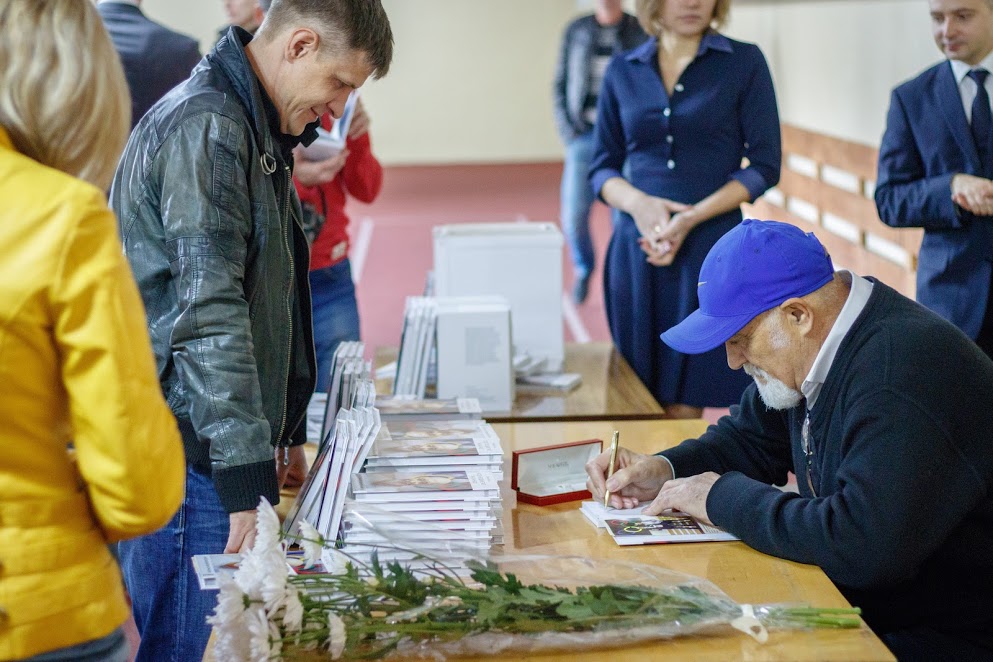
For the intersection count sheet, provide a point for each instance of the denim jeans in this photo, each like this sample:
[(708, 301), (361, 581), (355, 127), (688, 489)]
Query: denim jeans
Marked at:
[(336, 314), (112, 648), (170, 610), (577, 198)]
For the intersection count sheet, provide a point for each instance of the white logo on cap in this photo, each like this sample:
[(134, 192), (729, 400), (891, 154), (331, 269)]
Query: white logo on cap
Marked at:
[(702, 282)]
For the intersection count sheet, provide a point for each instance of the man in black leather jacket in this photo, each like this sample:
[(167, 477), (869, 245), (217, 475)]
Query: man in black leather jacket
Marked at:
[(210, 224)]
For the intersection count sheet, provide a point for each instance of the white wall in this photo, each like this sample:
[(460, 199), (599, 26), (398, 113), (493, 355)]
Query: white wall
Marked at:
[(471, 79), (835, 61)]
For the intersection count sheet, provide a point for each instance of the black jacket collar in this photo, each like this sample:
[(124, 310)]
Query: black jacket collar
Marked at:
[(230, 58)]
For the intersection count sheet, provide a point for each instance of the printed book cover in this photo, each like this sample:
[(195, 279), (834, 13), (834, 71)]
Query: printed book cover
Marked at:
[(414, 486), (668, 528)]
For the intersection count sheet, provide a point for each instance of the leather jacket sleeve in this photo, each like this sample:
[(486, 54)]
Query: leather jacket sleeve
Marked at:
[(206, 217)]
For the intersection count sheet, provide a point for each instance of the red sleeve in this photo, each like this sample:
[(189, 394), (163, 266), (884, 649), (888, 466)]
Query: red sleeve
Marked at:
[(362, 174)]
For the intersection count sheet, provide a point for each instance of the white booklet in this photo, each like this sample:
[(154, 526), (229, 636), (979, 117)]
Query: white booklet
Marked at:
[(331, 143), (630, 527)]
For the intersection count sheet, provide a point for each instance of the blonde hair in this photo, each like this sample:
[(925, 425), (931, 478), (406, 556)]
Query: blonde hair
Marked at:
[(648, 12), (63, 96)]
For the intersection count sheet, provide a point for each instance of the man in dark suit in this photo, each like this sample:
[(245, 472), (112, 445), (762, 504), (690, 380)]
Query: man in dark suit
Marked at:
[(936, 165), (155, 58)]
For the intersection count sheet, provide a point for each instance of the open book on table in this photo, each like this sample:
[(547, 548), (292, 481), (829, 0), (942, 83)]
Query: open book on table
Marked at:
[(630, 527)]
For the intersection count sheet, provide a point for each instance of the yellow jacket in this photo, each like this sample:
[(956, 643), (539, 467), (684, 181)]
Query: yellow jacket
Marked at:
[(75, 366)]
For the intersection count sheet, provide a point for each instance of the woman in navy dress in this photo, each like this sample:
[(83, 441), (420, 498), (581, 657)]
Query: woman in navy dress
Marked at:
[(676, 116)]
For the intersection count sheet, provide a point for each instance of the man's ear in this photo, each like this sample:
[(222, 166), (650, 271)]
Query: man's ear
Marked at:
[(302, 42), (799, 314)]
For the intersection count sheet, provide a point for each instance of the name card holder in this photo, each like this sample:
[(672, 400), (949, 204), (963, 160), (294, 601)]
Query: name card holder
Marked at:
[(553, 474)]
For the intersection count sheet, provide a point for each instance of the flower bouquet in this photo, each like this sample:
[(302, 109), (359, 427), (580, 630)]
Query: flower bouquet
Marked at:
[(521, 604)]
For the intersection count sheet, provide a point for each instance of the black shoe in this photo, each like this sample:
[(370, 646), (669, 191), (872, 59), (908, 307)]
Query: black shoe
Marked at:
[(581, 289)]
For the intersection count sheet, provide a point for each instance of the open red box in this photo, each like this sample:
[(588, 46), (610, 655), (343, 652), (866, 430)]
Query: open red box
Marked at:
[(553, 474)]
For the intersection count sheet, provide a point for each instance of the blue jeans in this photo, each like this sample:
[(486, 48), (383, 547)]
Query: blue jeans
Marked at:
[(112, 648), (336, 314), (170, 610), (577, 198)]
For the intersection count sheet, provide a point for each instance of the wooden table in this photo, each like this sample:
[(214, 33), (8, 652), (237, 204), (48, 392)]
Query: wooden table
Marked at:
[(746, 575), (610, 390)]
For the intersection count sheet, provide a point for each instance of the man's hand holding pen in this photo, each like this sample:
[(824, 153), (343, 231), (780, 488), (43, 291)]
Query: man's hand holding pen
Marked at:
[(638, 478)]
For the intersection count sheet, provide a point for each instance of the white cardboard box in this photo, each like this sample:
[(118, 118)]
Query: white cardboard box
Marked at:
[(519, 261), (474, 351)]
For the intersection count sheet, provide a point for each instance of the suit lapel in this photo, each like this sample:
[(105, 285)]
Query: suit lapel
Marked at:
[(950, 101)]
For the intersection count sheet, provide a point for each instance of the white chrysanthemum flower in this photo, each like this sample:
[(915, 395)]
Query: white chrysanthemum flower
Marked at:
[(273, 587), (275, 641), (336, 635), (312, 543), (258, 631), (267, 528), (292, 611), (334, 561), (230, 626), (250, 575)]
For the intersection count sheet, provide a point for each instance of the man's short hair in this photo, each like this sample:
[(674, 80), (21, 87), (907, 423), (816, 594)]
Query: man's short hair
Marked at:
[(353, 24), (649, 12)]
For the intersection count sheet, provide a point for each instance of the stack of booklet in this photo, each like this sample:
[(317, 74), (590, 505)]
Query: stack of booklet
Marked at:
[(417, 342), (448, 516), (342, 453), (631, 527), (409, 490), (418, 409), (428, 486), (453, 445)]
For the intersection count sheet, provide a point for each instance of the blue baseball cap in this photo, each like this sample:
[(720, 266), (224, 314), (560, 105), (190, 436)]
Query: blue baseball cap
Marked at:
[(753, 268)]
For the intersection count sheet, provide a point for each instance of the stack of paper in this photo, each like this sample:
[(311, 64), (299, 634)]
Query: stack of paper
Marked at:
[(433, 446), (322, 496), (631, 527), (549, 382), (475, 350), (417, 341), (444, 515), (351, 386), (410, 409)]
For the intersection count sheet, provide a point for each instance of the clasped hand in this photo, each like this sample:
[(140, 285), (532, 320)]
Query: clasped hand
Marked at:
[(638, 478), (663, 225), (973, 194)]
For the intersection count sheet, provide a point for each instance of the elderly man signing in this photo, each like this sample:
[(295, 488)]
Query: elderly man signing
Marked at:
[(880, 407)]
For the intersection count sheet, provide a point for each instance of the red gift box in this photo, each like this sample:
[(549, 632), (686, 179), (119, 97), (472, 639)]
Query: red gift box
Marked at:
[(553, 474)]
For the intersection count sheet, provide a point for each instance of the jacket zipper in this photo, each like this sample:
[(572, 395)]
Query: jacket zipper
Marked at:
[(289, 311)]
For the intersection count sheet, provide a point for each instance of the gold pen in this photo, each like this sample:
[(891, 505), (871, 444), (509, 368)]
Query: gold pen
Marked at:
[(610, 467)]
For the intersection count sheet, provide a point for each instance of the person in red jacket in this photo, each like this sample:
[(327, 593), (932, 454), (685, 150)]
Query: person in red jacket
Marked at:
[(324, 187)]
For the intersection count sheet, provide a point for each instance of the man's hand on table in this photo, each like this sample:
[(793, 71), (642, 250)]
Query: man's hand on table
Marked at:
[(688, 495), (293, 473)]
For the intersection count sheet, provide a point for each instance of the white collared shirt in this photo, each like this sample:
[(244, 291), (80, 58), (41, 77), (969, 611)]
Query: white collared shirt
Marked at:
[(967, 86), (857, 298)]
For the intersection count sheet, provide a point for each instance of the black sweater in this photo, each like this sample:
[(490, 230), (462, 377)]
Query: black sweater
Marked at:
[(902, 438)]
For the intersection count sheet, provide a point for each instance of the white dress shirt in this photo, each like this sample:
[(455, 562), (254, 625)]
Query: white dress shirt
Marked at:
[(857, 298), (967, 86)]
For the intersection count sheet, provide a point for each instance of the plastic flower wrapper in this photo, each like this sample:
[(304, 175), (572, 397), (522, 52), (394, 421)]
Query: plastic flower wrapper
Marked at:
[(453, 600)]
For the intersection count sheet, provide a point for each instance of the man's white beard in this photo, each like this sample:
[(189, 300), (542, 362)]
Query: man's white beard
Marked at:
[(774, 393)]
